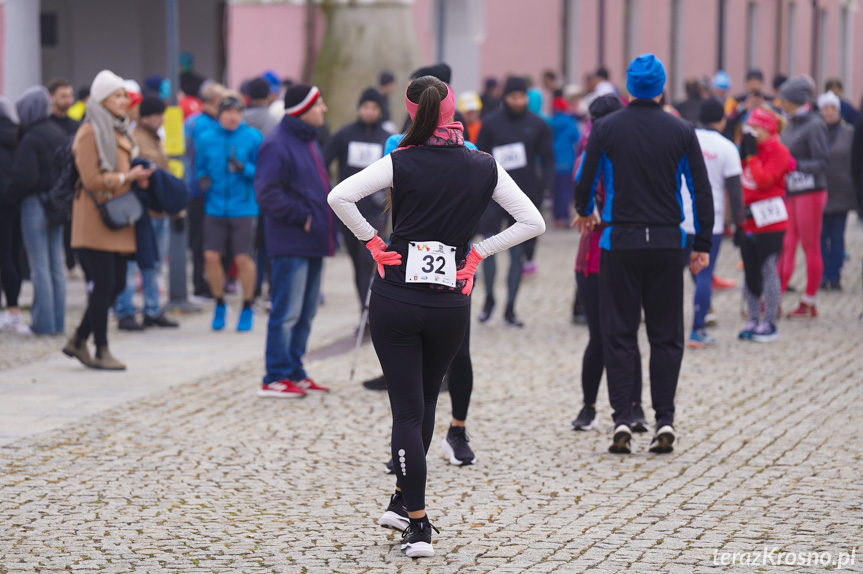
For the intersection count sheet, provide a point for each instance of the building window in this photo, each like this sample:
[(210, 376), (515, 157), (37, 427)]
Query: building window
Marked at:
[(677, 48), (822, 48), (792, 39), (752, 35), (48, 29), (845, 46)]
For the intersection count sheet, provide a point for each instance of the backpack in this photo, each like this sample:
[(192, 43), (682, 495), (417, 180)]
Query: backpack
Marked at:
[(64, 177)]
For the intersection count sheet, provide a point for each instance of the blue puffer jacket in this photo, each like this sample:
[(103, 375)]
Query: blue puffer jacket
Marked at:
[(231, 194), (292, 184), (196, 125), (566, 137)]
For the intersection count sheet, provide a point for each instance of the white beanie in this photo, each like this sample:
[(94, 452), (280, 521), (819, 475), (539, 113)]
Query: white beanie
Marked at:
[(829, 99), (105, 84)]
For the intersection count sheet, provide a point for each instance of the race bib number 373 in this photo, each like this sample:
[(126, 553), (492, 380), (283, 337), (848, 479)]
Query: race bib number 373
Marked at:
[(430, 262)]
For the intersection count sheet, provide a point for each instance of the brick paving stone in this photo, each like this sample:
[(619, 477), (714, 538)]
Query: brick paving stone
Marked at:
[(206, 477)]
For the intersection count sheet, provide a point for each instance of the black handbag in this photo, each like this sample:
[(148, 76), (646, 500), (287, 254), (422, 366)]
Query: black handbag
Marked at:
[(121, 211)]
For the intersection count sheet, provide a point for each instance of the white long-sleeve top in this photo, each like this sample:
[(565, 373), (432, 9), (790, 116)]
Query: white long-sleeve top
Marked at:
[(379, 175)]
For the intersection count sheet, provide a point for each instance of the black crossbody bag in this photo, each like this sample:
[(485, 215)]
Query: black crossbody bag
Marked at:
[(121, 211)]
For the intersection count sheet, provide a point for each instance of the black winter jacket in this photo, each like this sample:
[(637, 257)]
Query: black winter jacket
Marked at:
[(8, 143), (34, 160)]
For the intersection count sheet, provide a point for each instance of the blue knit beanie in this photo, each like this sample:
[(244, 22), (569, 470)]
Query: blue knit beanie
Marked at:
[(645, 77)]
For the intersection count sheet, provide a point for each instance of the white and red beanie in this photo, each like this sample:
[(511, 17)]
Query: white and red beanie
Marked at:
[(300, 98)]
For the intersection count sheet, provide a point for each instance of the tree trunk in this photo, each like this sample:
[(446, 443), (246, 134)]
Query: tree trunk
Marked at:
[(363, 40), (310, 29)]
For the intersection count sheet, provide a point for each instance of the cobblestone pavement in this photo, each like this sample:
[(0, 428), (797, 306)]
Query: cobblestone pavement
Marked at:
[(206, 477)]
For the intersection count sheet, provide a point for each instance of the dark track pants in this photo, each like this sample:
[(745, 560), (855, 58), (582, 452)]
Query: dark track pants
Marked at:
[(630, 280)]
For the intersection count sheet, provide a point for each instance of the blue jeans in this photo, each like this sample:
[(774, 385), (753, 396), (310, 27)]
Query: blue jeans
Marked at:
[(703, 281), (44, 244), (294, 288), (149, 277), (562, 195), (833, 245)]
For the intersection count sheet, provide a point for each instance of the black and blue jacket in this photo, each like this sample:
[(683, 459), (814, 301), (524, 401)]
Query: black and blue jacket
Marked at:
[(642, 153)]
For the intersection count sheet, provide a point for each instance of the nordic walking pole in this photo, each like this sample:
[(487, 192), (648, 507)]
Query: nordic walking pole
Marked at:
[(364, 318)]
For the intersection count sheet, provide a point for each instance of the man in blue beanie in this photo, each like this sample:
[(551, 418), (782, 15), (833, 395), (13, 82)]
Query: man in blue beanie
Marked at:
[(642, 155)]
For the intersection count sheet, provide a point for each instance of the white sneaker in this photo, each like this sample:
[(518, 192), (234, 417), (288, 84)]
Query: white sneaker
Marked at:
[(10, 322), (24, 330)]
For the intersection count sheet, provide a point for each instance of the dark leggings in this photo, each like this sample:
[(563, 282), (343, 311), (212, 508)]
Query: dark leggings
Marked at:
[(415, 346), (461, 378), (10, 252), (108, 273), (593, 365)]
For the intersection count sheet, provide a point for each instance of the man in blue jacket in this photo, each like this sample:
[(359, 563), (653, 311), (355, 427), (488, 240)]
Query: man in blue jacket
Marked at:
[(292, 188), (642, 154), (196, 125), (225, 170)]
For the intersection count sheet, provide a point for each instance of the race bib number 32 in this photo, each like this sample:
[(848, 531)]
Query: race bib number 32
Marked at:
[(511, 156), (430, 262)]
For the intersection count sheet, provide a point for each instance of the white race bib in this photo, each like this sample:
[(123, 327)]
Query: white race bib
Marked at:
[(430, 262), (799, 181), (769, 211), (364, 154), (510, 156)]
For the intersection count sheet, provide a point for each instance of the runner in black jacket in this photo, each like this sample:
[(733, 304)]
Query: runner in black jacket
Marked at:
[(357, 146), (515, 137), (642, 153)]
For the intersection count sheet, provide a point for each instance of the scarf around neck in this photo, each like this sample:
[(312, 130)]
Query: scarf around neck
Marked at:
[(104, 125)]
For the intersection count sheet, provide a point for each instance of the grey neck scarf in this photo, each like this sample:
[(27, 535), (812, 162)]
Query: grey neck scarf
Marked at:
[(104, 125)]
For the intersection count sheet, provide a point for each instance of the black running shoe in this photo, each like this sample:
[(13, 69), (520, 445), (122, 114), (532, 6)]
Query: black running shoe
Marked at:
[(622, 441), (376, 384), (389, 469), (487, 310), (456, 448), (417, 538), (396, 516), (663, 441), (510, 319), (586, 419), (639, 423)]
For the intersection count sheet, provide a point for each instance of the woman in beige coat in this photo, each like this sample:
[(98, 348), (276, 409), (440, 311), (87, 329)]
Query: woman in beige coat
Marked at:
[(104, 149)]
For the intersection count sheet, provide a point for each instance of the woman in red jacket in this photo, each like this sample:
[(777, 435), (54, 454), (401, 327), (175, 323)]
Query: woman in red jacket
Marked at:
[(766, 162)]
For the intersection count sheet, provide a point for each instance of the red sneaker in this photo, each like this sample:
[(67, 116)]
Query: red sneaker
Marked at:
[(722, 283), (284, 389), (310, 386), (804, 311)]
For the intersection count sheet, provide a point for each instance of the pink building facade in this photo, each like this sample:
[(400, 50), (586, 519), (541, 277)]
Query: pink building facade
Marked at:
[(232, 40), (573, 37)]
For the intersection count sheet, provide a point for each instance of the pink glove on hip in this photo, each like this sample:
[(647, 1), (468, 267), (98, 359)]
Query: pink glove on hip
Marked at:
[(378, 248), (467, 272)]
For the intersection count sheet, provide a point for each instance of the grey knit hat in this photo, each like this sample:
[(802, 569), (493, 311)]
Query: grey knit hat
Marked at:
[(798, 90)]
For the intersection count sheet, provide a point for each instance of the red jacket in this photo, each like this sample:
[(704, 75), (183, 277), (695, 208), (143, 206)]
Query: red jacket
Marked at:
[(587, 260), (764, 177)]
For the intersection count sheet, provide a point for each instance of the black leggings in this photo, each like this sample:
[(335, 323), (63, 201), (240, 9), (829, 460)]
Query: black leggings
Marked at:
[(592, 364), (10, 253), (754, 251), (461, 378), (415, 346), (108, 273)]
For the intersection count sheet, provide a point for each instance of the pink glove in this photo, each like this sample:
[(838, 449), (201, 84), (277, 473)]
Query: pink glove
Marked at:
[(380, 254), (467, 272)]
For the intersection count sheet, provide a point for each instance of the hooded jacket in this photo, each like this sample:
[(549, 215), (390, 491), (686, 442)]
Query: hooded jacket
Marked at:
[(806, 139), (291, 184), (841, 195), (764, 178), (40, 138), (230, 195), (196, 125), (8, 143)]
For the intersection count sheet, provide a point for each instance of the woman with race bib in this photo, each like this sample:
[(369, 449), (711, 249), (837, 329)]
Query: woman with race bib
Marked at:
[(418, 313), (806, 139), (766, 162)]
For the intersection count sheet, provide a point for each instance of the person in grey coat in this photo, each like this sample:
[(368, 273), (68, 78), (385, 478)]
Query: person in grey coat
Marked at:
[(841, 194), (806, 139)]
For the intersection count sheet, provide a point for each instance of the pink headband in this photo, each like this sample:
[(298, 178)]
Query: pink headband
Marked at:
[(447, 107)]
